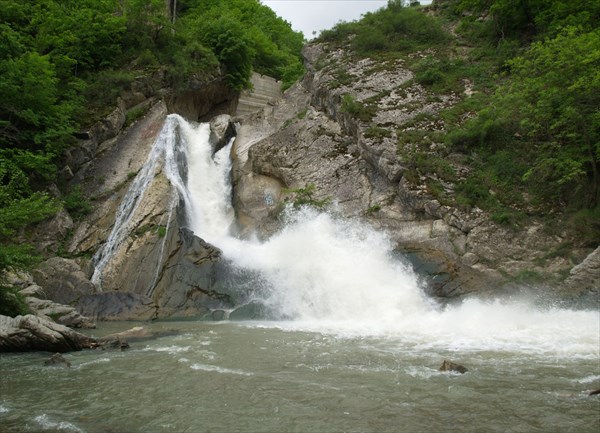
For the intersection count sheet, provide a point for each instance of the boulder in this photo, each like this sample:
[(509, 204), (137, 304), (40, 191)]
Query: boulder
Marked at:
[(222, 130), (451, 366), (57, 360), (114, 344), (61, 314), (31, 333), (186, 282), (251, 311)]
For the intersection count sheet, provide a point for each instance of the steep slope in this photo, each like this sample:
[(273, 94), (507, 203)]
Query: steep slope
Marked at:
[(342, 136)]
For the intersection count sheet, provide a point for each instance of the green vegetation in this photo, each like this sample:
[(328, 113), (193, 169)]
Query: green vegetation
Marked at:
[(394, 29), (529, 130), (377, 132), (357, 109), (12, 303), (305, 197), (64, 63), (77, 203)]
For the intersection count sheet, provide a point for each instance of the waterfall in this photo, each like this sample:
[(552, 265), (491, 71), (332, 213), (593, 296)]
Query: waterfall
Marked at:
[(169, 153), (322, 272), (326, 273)]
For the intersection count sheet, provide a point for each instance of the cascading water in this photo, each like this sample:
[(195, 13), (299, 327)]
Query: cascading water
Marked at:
[(325, 273)]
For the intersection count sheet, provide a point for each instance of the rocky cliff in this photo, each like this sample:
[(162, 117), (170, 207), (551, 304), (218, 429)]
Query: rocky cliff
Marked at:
[(342, 136)]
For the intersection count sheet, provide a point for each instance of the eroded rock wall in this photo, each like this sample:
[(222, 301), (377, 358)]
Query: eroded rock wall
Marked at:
[(317, 134)]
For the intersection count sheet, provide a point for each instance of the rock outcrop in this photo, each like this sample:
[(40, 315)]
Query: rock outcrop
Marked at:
[(346, 137), (63, 280), (157, 268), (33, 333), (583, 282)]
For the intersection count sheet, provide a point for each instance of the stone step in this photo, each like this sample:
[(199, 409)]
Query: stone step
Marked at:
[(265, 89)]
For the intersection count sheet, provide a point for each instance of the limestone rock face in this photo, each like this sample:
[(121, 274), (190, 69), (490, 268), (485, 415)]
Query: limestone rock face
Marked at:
[(32, 333), (157, 268), (344, 134), (201, 98), (185, 283), (584, 279)]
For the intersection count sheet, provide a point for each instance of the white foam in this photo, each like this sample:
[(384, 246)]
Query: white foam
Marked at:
[(46, 424), (95, 361), (588, 379), (327, 274), (171, 350), (3, 409), (217, 369)]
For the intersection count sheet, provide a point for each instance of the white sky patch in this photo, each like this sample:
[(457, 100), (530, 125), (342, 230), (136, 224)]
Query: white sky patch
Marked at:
[(310, 16)]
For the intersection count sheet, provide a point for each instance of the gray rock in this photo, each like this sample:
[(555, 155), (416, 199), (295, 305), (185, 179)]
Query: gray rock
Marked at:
[(117, 306), (583, 281), (222, 130), (250, 311), (62, 314), (469, 259), (33, 290), (57, 360), (110, 126), (33, 333), (451, 366), (63, 280), (185, 284), (50, 234)]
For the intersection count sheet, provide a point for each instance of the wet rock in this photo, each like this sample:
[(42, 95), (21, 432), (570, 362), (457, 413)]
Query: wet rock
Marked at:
[(112, 344), (210, 96), (451, 366), (594, 392), (217, 315), (33, 333), (185, 285), (222, 130), (111, 306), (57, 360)]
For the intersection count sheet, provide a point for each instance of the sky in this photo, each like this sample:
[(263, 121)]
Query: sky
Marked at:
[(310, 16)]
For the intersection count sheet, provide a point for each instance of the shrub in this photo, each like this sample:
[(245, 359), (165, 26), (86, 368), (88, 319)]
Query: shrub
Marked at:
[(77, 203), (377, 132), (357, 109), (305, 197), (135, 114), (12, 303)]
